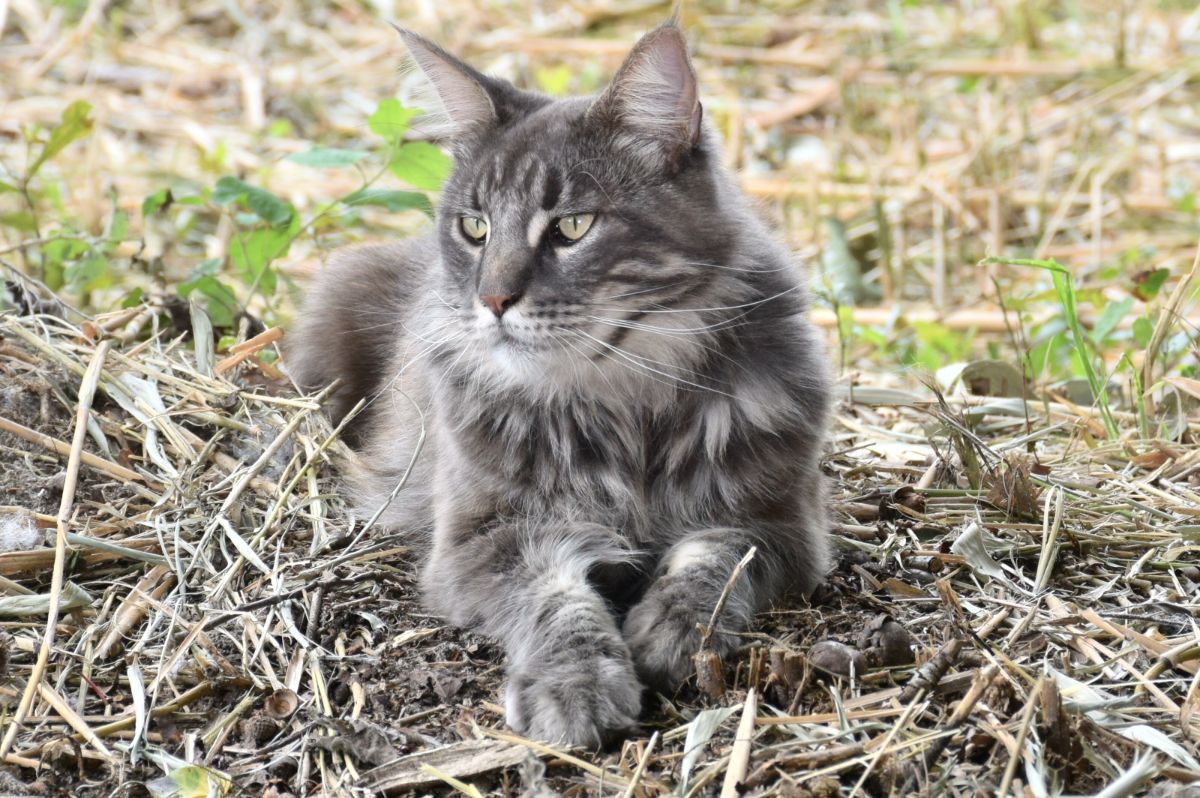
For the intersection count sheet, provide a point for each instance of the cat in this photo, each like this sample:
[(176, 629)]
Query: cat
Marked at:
[(595, 380)]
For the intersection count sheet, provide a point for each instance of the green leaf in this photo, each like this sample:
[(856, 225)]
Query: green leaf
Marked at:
[(1049, 265), (1147, 284), (1064, 287), (1041, 355), (206, 267), (264, 204), (118, 227), (19, 220), (1143, 331), (1110, 318), (553, 80), (133, 298), (222, 303), (390, 119), (327, 157), (64, 249), (6, 187), (75, 125), (194, 781), (392, 200), (252, 254), (87, 274), (421, 164), (158, 201)]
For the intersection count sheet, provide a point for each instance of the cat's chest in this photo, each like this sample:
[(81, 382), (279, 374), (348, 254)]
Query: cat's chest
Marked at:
[(613, 464)]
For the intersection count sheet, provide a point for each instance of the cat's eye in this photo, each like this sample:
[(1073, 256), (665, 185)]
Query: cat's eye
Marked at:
[(573, 227), (474, 228)]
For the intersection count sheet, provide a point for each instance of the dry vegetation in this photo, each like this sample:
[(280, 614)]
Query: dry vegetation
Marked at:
[(218, 624)]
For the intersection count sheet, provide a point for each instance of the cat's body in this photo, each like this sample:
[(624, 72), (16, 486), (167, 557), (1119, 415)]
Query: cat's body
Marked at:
[(609, 422)]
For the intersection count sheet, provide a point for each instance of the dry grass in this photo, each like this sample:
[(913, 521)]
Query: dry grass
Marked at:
[(201, 596)]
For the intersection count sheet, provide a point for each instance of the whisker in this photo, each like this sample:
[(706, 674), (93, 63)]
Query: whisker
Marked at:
[(697, 334), (640, 362), (640, 372), (707, 265), (387, 386), (636, 293), (681, 331), (753, 304)]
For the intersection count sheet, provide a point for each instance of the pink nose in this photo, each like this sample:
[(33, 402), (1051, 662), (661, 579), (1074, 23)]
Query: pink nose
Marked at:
[(498, 303)]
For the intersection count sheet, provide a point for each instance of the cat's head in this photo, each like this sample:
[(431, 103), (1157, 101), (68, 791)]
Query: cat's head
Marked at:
[(581, 238)]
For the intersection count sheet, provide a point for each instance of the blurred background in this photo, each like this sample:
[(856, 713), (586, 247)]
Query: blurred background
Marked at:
[(150, 149)]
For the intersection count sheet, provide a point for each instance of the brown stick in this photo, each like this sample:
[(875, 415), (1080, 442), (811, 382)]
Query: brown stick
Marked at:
[(724, 597), (966, 704), (739, 757), (247, 349), (134, 607), (58, 447)]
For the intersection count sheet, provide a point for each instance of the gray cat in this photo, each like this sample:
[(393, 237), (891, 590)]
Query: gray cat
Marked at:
[(597, 379)]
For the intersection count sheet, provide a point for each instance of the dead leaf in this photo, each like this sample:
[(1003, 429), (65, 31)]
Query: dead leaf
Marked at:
[(1012, 488)]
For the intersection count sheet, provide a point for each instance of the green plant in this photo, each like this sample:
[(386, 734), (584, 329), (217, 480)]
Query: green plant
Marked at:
[(66, 256), (268, 225), (1064, 287)]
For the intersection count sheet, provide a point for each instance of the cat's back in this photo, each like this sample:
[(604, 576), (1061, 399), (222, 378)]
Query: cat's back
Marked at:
[(356, 313)]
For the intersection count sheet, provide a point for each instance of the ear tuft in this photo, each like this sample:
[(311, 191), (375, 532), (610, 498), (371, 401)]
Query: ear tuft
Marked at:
[(461, 89), (654, 96)]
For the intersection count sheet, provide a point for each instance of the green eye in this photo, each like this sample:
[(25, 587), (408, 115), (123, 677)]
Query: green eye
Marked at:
[(574, 227), (474, 228)]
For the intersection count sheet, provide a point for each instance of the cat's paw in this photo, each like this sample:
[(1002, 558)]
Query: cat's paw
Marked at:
[(663, 632), (575, 697)]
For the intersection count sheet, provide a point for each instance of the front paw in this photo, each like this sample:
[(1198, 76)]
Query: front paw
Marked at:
[(663, 631), (585, 696)]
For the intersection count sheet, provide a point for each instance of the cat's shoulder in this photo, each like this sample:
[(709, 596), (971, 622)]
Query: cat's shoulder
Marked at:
[(387, 266)]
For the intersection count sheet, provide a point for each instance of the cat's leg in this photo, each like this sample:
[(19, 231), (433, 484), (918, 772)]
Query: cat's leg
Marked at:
[(570, 675), (663, 628)]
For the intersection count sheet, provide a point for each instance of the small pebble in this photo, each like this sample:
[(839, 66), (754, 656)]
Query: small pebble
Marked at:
[(837, 658)]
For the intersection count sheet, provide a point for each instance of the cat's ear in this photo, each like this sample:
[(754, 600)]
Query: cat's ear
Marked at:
[(653, 98), (467, 95)]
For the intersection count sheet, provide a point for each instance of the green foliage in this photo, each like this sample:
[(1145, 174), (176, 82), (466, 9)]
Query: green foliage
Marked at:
[(75, 125), (1148, 284), (390, 120), (222, 302), (417, 163), (936, 345), (420, 164), (101, 271), (392, 200), (268, 224), (159, 200), (253, 253), (1143, 331), (1064, 287), (1110, 317), (262, 203), (555, 80), (327, 157)]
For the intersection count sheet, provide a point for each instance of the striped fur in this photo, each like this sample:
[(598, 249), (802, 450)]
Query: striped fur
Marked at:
[(653, 404)]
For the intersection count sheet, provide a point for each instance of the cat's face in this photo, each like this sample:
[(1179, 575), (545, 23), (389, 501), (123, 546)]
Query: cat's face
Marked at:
[(578, 236)]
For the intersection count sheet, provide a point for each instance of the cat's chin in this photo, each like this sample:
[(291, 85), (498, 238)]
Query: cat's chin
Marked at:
[(532, 367), (516, 357)]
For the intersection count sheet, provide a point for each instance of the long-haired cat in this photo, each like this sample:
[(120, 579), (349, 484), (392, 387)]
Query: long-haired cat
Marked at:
[(607, 359)]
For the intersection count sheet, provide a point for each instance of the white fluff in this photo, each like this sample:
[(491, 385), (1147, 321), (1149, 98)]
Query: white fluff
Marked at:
[(18, 533)]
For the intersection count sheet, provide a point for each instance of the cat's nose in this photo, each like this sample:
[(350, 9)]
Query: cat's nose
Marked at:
[(498, 303)]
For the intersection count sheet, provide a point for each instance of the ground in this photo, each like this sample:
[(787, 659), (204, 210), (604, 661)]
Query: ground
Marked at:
[(1016, 584)]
